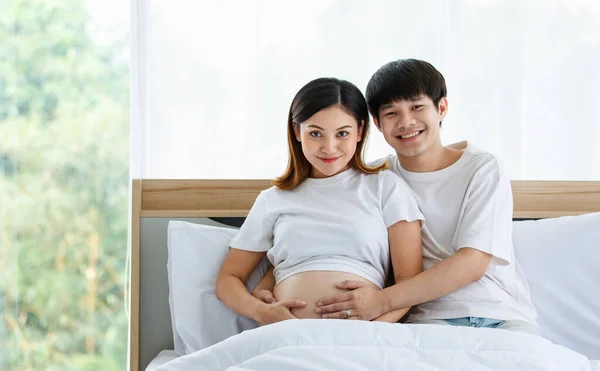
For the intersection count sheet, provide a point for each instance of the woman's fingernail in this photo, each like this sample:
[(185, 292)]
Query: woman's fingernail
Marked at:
[(324, 316), (320, 303), (319, 310)]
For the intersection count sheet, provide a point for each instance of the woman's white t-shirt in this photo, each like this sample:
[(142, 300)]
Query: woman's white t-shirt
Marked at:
[(334, 224)]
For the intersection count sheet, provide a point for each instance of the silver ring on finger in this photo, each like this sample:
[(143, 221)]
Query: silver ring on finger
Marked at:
[(347, 313)]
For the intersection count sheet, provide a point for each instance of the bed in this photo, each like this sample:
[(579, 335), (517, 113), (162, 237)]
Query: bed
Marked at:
[(166, 212)]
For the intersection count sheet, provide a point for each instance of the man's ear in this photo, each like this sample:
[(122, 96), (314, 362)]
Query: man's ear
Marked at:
[(296, 131), (443, 107), (376, 121)]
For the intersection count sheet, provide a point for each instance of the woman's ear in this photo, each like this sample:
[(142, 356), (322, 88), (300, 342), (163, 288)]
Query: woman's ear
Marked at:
[(296, 131), (360, 130)]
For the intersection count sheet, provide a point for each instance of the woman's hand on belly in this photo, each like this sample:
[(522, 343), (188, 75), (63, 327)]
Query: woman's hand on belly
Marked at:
[(278, 311), (266, 296), (275, 311), (312, 287)]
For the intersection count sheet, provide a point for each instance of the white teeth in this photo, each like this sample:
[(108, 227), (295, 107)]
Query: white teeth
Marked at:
[(410, 135)]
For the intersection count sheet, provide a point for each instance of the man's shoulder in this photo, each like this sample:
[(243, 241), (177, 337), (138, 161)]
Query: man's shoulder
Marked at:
[(382, 160), (481, 161), (486, 174), (389, 178), (391, 160)]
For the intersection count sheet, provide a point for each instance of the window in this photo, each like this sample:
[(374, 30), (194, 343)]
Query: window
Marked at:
[(216, 78), (64, 182)]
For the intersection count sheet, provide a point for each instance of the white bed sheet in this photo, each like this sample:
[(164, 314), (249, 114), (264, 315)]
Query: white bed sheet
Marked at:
[(162, 358), (319, 345)]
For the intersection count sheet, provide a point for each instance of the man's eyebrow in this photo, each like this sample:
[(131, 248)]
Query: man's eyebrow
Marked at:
[(412, 99)]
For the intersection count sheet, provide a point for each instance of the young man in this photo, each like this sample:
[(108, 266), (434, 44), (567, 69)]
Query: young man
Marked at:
[(470, 274)]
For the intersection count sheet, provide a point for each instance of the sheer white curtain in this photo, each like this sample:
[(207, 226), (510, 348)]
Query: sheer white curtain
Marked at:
[(213, 80)]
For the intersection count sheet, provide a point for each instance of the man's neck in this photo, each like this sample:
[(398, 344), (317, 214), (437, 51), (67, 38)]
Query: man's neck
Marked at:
[(436, 158)]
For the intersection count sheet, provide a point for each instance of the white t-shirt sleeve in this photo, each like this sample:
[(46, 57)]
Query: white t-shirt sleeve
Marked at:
[(256, 234), (398, 202), (486, 224)]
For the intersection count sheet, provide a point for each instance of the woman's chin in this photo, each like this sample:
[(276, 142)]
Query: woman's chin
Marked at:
[(326, 172)]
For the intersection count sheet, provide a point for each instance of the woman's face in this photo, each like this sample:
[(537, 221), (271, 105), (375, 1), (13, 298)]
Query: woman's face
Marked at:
[(329, 139)]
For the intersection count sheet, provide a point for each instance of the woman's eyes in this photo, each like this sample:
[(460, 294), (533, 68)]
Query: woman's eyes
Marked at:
[(316, 134)]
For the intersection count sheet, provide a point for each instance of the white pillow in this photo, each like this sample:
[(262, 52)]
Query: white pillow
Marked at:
[(199, 318), (560, 258)]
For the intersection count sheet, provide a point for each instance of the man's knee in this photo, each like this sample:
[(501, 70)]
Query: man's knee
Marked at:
[(429, 322), (519, 326)]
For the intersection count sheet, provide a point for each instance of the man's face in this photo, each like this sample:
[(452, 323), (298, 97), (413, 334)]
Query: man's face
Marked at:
[(411, 126)]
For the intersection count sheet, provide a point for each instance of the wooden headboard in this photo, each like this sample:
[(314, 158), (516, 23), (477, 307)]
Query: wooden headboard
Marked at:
[(234, 198)]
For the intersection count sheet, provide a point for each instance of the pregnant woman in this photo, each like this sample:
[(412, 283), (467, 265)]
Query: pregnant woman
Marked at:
[(328, 218)]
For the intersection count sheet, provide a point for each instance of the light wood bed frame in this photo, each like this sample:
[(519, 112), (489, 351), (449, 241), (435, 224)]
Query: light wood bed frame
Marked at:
[(234, 198)]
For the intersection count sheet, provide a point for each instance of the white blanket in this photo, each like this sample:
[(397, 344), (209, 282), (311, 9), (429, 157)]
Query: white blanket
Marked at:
[(317, 345)]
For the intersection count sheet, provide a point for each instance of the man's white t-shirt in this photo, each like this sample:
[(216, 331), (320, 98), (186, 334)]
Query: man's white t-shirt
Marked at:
[(335, 224), (469, 204)]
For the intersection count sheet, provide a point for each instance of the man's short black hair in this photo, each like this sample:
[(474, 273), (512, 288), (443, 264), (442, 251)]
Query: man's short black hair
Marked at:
[(402, 80)]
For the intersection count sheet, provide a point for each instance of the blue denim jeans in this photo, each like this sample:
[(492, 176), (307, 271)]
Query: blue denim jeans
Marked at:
[(512, 325)]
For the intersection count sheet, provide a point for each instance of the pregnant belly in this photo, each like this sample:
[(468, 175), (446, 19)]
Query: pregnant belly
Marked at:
[(313, 286)]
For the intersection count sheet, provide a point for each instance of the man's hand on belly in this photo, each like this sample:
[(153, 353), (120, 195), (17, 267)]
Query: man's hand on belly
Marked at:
[(362, 301)]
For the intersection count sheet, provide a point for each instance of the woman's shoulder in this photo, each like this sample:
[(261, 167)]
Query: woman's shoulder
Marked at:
[(270, 193), (273, 195)]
